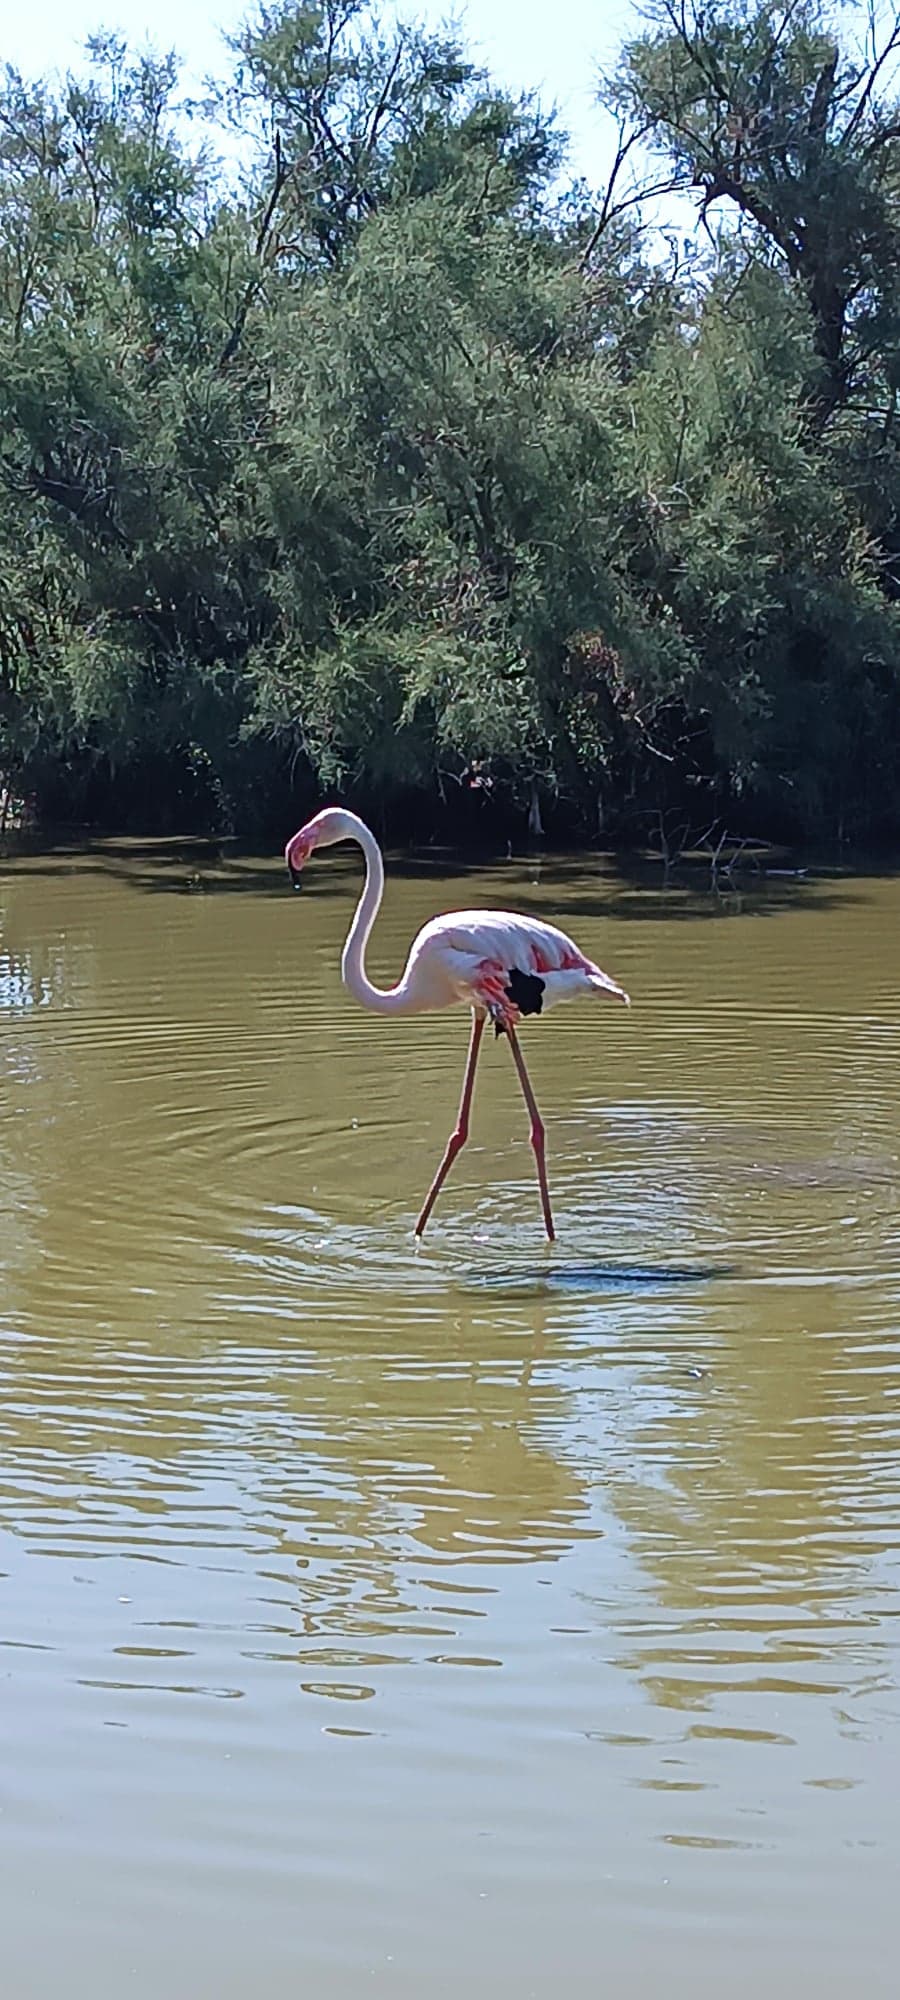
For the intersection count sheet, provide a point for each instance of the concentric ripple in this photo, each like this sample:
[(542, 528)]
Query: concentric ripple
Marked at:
[(494, 1613)]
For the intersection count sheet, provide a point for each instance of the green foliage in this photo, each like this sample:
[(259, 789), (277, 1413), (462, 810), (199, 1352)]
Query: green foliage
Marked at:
[(759, 107), (399, 469)]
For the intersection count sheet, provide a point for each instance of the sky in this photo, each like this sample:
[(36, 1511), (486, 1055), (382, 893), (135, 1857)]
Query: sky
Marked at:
[(553, 47)]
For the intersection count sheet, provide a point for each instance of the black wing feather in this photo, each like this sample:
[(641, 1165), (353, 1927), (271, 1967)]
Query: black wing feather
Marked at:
[(526, 991)]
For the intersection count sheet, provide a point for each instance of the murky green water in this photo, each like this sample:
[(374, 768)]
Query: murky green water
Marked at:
[(486, 1621)]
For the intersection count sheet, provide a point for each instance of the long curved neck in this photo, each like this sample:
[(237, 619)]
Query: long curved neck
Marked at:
[(397, 999)]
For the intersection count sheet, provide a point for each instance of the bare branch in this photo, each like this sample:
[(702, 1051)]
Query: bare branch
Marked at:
[(383, 101), (607, 210), (892, 43), (777, 38), (262, 238), (281, 174), (822, 98)]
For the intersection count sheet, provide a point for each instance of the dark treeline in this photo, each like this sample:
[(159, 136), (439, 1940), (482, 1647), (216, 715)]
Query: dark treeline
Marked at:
[(371, 458)]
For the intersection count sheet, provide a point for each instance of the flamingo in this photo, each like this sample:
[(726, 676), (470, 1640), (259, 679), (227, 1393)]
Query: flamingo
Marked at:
[(499, 964)]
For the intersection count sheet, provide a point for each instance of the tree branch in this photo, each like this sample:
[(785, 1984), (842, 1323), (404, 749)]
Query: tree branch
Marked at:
[(262, 237), (891, 44), (607, 210)]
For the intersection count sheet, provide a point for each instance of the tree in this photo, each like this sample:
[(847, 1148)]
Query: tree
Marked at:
[(386, 462), (757, 106)]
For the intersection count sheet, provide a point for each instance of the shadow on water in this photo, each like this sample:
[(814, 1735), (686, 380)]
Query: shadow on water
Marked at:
[(597, 1280), (626, 886)]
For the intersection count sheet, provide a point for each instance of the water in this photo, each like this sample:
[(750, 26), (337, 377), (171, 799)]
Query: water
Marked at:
[(481, 1620)]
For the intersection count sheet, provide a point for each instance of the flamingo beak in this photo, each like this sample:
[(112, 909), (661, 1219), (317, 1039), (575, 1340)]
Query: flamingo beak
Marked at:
[(296, 855)]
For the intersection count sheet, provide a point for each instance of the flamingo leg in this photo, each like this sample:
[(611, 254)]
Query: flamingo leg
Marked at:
[(537, 1129), (460, 1133)]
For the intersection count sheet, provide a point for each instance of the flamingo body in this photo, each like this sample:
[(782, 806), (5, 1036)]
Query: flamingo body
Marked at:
[(498, 963), (504, 963)]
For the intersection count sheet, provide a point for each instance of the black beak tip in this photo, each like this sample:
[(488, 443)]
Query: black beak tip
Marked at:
[(296, 877)]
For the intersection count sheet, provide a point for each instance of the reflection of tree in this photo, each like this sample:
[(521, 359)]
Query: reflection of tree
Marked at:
[(342, 1474), (454, 1473), (34, 961), (752, 1500), (37, 1085), (19, 987), (26, 984)]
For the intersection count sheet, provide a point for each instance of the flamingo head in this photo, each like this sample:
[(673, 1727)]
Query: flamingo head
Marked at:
[(327, 827)]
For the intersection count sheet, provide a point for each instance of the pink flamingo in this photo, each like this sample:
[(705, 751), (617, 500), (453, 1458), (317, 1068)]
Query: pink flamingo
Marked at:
[(497, 963)]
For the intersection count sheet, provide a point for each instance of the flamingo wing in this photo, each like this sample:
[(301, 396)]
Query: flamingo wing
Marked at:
[(507, 963)]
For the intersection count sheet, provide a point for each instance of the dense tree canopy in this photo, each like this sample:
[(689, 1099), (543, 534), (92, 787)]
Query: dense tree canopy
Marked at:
[(352, 448)]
